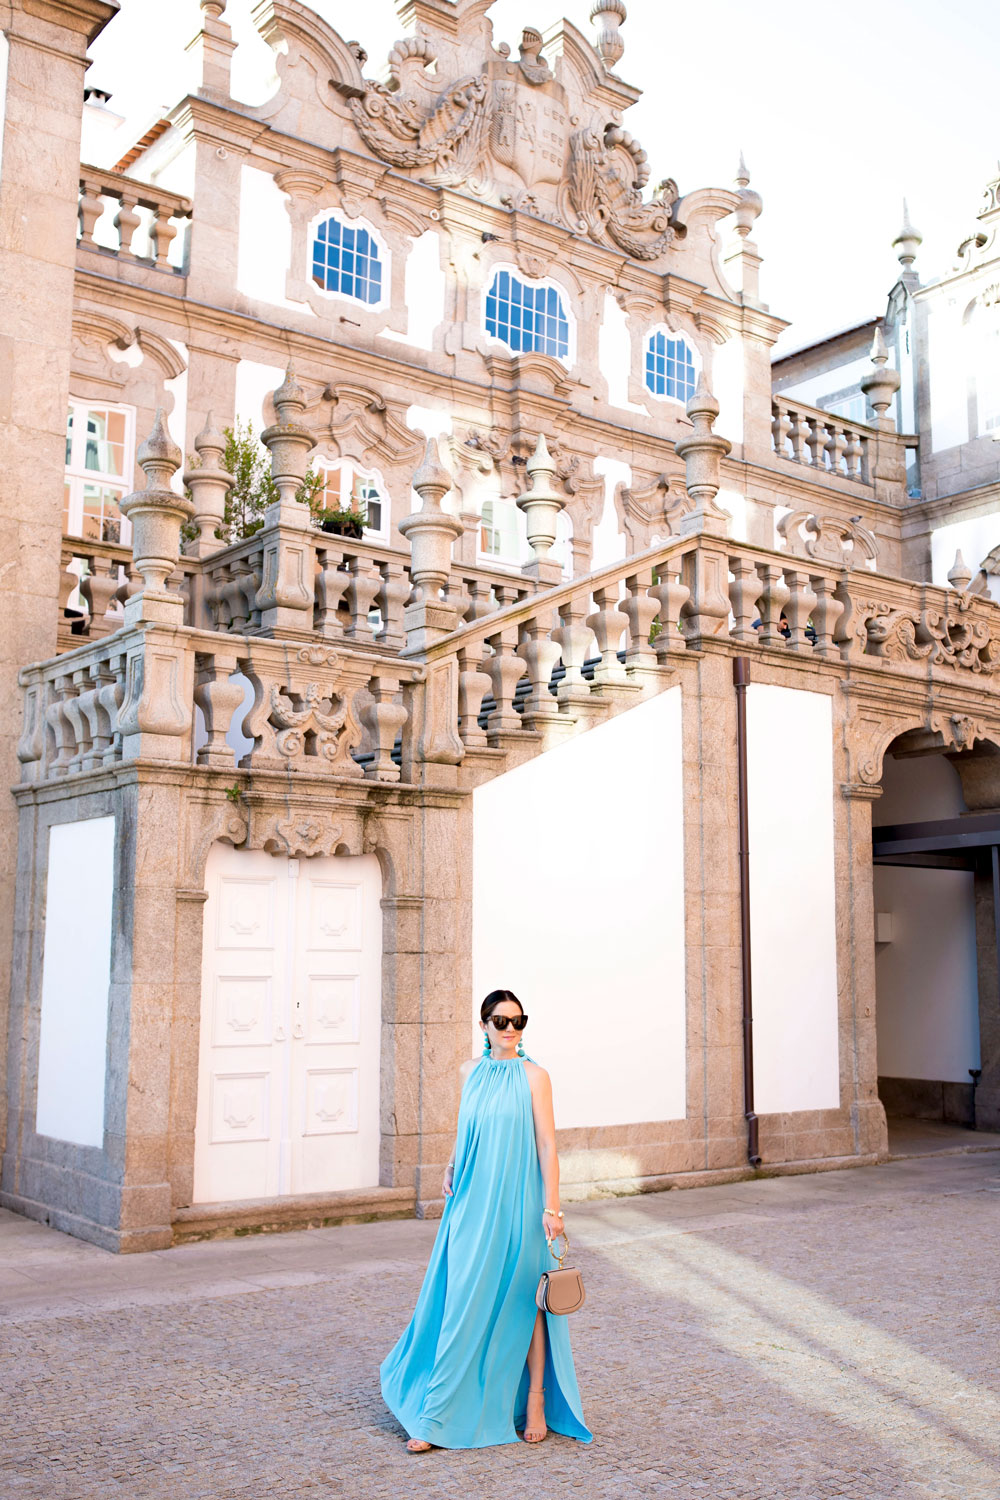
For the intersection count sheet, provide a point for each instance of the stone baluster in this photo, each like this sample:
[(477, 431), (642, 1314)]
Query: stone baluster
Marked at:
[(156, 513), (92, 206), (852, 453), (825, 613), (61, 726), (480, 592), (640, 608), (286, 595), (609, 623), (251, 583), (541, 506), (744, 590), (798, 609), (163, 234), (797, 431), (209, 482), (74, 707), (672, 594), (384, 718), (331, 586), (540, 653), (110, 698), (103, 713), (364, 584), (67, 582), (576, 642), (881, 383), (473, 685), (127, 221), (506, 669), (130, 584), (431, 533), (773, 597), (218, 699), (31, 745), (815, 442), (835, 448), (235, 593), (780, 424), (394, 590), (99, 588)]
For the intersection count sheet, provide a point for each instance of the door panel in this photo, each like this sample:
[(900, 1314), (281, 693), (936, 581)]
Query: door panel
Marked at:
[(288, 1091)]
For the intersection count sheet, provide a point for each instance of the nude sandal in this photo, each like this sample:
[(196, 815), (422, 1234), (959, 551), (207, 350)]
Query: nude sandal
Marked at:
[(423, 1448), (539, 1392)]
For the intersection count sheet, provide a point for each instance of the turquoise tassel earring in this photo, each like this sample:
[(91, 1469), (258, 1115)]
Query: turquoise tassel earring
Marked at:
[(520, 1049), (486, 1045)]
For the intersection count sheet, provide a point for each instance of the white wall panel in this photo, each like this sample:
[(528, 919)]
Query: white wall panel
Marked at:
[(792, 899), (75, 976), (578, 902)]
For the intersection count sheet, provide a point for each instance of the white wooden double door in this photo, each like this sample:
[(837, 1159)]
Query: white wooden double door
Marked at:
[(288, 1087)]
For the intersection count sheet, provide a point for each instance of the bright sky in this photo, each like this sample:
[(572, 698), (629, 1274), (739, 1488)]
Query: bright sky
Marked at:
[(841, 109)]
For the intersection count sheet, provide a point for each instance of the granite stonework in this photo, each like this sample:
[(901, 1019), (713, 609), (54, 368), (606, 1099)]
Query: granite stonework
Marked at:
[(368, 733)]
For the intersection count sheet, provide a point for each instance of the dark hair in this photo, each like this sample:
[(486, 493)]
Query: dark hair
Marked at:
[(495, 998)]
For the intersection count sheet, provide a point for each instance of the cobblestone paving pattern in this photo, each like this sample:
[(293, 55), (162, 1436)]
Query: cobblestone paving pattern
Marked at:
[(832, 1337)]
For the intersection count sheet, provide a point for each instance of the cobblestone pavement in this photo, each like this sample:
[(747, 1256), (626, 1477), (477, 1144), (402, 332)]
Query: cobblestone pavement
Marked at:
[(801, 1338)]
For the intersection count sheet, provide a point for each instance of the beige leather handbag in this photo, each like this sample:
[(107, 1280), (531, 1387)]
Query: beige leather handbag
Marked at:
[(560, 1291)]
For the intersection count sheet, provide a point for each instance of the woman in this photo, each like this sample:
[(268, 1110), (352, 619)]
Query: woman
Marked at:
[(478, 1359)]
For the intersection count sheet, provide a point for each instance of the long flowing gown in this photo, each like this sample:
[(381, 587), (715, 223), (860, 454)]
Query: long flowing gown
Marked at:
[(458, 1376)]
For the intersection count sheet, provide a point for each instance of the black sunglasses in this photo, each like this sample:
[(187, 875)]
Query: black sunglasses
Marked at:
[(502, 1022)]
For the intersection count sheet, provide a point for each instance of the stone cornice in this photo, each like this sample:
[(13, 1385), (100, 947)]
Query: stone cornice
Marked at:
[(924, 515), (87, 18)]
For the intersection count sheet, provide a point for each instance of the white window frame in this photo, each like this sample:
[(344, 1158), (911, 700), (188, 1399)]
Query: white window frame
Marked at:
[(77, 474), (385, 258), (536, 283), (668, 333), (350, 471)]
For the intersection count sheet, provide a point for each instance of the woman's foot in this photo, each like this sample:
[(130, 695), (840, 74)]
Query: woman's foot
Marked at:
[(535, 1430), (417, 1445)]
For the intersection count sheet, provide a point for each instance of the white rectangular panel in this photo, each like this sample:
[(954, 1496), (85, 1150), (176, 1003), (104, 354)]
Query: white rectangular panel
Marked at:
[(793, 938), (333, 1008), (334, 915), (331, 1101), (76, 971), (242, 1011), (240, 1107), (246, 913)]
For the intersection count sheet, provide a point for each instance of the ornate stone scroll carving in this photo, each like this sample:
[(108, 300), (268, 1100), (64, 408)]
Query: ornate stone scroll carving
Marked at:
[(828, 539), (396, 126), (941, 638), (958, 731), (607, 172)]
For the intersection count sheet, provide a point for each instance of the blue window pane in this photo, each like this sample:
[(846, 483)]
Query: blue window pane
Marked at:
[(670, 368), (527, 317), (347, 260)]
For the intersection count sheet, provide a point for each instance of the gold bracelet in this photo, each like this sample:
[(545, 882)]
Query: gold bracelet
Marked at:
[(556, 1212)]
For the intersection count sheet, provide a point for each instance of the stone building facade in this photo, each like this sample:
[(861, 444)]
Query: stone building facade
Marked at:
[(596, 706)]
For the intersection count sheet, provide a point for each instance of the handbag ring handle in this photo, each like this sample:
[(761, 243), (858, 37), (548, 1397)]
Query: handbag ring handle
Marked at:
[(562, 1235)]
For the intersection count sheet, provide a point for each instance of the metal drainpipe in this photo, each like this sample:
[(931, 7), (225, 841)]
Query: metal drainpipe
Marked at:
[(741, 676)]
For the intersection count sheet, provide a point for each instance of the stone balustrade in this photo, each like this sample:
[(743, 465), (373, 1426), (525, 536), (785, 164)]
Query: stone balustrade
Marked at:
[(821, 441), (139, 206), (95, 580), (172, 694)]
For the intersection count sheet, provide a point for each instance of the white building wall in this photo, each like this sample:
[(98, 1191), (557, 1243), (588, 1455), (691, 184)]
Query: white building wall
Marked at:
[(264, 255), (927, 986), (254, 383), (946, 373), (578, 907), (425, 284), (792, 899), (974, 537), (76, 971)]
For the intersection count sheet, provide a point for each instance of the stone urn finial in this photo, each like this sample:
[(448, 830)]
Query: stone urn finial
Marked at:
[(751, 203), (702, 452), (882, 382), (156, 514), (908, 241), (607, 16), (209, 482), (289, 441), (961, 574), (431, 533), (541, 506)]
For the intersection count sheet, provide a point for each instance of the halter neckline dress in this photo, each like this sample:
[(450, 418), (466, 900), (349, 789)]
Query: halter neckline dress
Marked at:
[(458, 1376)]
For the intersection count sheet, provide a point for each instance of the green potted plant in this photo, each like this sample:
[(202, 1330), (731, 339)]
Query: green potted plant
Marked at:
[(346, 520)]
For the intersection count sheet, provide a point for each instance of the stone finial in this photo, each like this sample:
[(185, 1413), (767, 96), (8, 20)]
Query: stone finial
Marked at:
[(702, 453), (541, 506), (882, 382), (431, 533), (908, 241), (961, 574), (213, 9), (607, 16), (209, 482), (156, 514), (751, 203), (289, 441)]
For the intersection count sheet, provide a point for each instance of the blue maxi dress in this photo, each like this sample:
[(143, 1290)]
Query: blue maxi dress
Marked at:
[(458, 1377)]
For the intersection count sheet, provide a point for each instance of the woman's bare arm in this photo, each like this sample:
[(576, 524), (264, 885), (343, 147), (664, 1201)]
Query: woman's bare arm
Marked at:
[(545, 1142)]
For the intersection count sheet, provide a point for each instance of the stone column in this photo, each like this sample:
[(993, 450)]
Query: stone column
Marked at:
[(42, 108), (287, 592), (541, 506)]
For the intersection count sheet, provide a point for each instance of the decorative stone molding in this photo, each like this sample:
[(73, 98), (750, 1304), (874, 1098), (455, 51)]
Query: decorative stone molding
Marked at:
[(828, 538), (958, 731)]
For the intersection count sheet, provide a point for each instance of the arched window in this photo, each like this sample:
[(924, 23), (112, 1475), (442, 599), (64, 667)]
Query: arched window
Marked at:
[(347, 487), (527, 318), (670, 368), (347, 260)]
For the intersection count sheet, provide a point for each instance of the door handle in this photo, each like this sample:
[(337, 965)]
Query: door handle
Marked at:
[(297, 1031), (279, 1033)]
